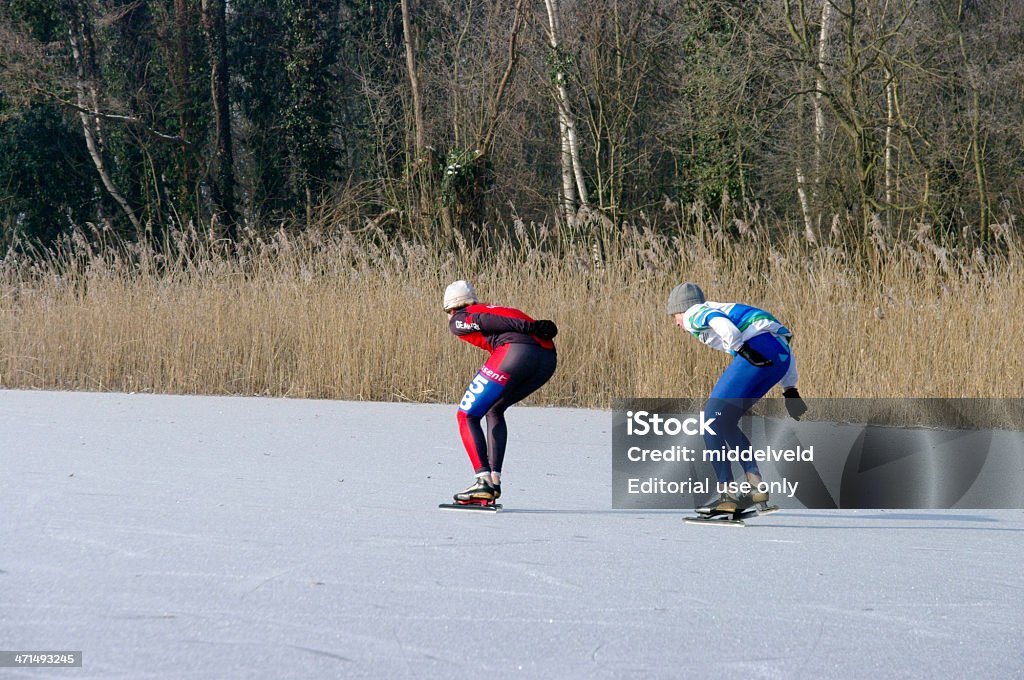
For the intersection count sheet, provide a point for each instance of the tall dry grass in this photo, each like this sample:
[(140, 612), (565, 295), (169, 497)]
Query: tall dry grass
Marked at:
[(358, 317)]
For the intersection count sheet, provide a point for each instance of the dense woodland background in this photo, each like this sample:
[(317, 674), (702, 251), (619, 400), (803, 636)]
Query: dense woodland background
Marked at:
[(838, 119), (269, 196)]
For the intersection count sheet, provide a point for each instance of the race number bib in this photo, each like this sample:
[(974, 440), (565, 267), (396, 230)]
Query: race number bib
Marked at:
[(483, 392)]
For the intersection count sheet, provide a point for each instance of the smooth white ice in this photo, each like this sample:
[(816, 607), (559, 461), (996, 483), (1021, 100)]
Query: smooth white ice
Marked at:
[(198, 537)]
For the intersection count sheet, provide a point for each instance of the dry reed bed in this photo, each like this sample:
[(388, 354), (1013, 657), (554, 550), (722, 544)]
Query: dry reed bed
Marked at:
[(359, 318)]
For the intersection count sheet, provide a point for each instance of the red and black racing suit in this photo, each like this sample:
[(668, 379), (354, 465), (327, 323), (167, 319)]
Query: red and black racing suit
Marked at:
[(519, 364)]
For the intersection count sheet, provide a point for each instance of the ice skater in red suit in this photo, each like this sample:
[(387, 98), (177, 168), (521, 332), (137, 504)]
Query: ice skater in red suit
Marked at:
[(522, 358)]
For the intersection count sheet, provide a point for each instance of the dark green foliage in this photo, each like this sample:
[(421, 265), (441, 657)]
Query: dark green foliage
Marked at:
[(716, 93), (46, 177), (310, 39), (45, 21), (256, 30)]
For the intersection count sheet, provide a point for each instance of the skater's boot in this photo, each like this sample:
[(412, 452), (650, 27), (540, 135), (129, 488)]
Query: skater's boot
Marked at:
[(752, 498), (758, 500), (758, 494), (480, 493), (497, 490), (722, 504)]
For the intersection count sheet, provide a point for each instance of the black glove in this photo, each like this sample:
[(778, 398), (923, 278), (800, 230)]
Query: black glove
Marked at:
[(794, 404), (753, 356), (544, 329)]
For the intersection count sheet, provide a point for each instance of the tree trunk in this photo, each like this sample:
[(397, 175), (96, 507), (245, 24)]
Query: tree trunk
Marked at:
[(809, 200), (819, 90), (81, 49), (805, 208), (179, 68), (977, 154), (573, 183), (890, 124), (568, 201), (420, 162), (223, 184), (414, 83)]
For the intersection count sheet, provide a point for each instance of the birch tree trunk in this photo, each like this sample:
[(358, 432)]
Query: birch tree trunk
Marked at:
[(890, 123), (805, 208), (819, 91), (573, 183), (812, 220), (809, 201), (78, 35)]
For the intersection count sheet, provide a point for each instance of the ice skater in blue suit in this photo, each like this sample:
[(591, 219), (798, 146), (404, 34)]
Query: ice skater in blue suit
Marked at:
[(762, 358)]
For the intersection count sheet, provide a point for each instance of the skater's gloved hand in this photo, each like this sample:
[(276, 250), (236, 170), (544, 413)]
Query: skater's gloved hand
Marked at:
[(794, 404), (545, 329), (753, 356)]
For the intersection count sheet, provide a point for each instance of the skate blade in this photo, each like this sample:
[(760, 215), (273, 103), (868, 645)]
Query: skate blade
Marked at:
[(737, 515), (477, 506), (767, 510), (725, 519)]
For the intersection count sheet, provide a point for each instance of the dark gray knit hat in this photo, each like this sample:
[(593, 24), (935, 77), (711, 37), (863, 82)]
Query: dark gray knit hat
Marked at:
[(684, 296)]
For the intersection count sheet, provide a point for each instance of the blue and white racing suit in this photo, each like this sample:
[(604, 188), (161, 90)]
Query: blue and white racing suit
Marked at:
[(727, 326)]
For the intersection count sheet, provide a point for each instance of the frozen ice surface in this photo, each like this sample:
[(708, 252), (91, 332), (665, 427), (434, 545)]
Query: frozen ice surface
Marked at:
[(200, 537)]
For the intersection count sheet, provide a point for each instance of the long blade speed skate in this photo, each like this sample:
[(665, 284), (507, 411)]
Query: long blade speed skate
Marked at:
[(478, 506), (479, 496), (731, 519)]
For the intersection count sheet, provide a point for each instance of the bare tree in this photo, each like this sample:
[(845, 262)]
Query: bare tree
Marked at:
[(467, 77), (624, 49), (501, 87), (851, 92), (955, 21)]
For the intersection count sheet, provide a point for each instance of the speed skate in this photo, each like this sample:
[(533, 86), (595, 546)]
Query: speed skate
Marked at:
[(477, 506), (731, 518)]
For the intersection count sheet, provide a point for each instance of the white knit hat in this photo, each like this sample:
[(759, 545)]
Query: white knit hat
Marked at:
[(459, 294)]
